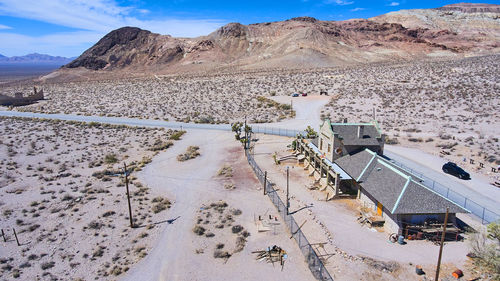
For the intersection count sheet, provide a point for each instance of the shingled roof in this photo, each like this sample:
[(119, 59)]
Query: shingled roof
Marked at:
[(348, 132), (396, 189)]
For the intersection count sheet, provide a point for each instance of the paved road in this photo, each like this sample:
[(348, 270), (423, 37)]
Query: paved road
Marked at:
[(463, 192), (478, 190)]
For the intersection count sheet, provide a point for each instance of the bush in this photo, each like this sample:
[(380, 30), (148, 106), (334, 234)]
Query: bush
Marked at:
[(110, 158), (177, 135), (191, 153), (199, 230), (237, 229), (218, 254), (47, 265)]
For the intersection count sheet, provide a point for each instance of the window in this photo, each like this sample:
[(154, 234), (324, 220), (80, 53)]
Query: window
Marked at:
[(329, 148), (320, 144)]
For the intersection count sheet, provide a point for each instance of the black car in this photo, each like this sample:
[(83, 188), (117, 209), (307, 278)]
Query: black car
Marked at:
[(452, 169)]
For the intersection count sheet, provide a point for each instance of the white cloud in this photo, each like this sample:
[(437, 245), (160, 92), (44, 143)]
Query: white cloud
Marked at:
[(357, 9), (98, 17), (5, 27), (339, 2), (393, 4)]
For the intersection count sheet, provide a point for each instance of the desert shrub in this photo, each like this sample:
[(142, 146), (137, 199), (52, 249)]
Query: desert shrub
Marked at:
[(388, 140), (95, 225), (226, 171), (209, 234), (415, 139), (236, 228), (240, 244), (485, 249), (161, 145), (199, 230), (191, 153), (47, 265), (160, 204), (177, 135), (110, 158), (108, 213), (218, 254)]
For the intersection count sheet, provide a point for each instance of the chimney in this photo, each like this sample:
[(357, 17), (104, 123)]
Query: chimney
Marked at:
[(361, 130)]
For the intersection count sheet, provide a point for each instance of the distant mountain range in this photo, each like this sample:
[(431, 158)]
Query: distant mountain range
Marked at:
[(35, 58)]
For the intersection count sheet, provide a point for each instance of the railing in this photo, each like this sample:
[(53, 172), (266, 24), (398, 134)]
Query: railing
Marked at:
[(313, 261), (486, 216)]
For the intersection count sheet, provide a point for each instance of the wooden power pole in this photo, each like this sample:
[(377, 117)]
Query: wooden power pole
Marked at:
[(128, 196), (287, 190), (265, 182), (442, 242)]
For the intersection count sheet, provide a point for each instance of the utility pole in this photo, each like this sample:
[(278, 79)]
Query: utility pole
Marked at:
[(442, 242), (287, 190), (265, 182), (128, 196), (291, 107), (245, 129)]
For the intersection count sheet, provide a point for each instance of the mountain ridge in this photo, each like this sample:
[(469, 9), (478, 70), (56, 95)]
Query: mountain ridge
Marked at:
[(35, 58), (299, 42)]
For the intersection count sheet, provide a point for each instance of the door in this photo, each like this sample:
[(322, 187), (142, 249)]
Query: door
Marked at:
[(379, 209)]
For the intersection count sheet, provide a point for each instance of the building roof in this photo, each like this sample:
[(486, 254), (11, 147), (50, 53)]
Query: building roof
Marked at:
[(348, 132), (397, 190), (355, 164)]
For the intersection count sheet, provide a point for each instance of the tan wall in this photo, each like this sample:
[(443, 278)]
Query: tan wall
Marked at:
[(390, 224)]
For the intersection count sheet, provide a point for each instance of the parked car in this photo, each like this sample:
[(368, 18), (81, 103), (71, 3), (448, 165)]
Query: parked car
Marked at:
[(295, 95), (304, 94), (452, 169)]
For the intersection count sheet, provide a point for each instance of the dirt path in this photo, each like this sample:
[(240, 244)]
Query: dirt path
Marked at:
[(307, 110), (191, 184)]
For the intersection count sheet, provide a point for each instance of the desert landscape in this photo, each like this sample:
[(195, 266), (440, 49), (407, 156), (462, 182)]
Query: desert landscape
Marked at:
[(429, 77), (63, 191)]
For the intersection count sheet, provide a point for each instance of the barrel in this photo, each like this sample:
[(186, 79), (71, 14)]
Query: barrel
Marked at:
[(457, 273), (401, 239), (419, 270)]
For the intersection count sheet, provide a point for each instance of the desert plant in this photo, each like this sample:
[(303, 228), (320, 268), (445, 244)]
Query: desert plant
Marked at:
[(110, 158), (199, 230)]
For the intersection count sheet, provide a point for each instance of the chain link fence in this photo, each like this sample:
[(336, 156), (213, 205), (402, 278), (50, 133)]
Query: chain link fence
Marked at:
[(486, 216), (277, 131), (313, 261)]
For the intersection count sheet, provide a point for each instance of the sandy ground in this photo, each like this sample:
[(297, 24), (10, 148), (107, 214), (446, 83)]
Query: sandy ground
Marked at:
[(70, 215), (334, 222), (307, 110), (193, 184)]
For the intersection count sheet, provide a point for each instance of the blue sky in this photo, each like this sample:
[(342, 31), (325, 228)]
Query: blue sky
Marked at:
[(67, 28)]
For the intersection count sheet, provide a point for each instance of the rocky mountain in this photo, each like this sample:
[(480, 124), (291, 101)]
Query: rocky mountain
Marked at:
[(477, 23), (471, 8), (453, 30), (35, 59)]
